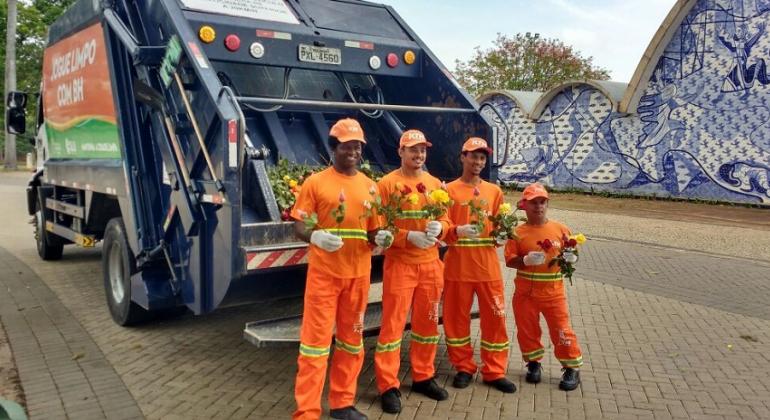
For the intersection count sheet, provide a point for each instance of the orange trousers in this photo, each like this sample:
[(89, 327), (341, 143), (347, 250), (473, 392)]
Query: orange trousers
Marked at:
[(527, 310), (416, 286), (458, 300), (330, 300)]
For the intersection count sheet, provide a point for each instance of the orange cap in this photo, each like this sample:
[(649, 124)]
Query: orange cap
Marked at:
[(476, 143), (532, 192), (413, 137), (347, 129)]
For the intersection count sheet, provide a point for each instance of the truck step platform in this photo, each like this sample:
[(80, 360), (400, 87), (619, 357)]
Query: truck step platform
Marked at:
[(284, 332)]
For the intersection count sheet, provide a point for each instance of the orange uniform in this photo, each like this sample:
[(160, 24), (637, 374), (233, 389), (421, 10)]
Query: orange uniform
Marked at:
[(336, 292), (472, 266), (540, 289), (412, 277)]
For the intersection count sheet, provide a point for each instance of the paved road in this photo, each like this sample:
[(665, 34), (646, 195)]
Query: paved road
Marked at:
[(666, 334)]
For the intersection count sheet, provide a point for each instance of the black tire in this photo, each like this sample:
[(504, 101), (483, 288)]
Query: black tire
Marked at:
[(49, 248), (118, 265)]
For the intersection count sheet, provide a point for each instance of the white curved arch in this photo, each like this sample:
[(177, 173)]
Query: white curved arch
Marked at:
[(651, 56), (525, 101), (612, 90)]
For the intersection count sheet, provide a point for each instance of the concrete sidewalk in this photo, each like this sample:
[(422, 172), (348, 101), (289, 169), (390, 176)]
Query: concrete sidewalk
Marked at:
[(63, 372)]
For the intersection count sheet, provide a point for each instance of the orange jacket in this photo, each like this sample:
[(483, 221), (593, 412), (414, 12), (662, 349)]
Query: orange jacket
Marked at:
[(402, 249), (541, 280), (472, 259), (320, 194)]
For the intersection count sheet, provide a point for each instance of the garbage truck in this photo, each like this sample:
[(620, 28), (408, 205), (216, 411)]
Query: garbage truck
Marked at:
[(158, 121)]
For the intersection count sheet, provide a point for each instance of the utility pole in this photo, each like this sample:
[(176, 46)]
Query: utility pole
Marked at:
[(10, 79)]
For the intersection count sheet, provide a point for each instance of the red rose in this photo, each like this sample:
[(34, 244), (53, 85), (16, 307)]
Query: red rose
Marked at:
[(546, 245), (285, 215), (571, 243), (421, 188), (406, 190)]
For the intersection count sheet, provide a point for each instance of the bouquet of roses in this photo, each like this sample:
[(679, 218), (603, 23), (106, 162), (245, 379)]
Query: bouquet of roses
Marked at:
[(504, 222), (390, 211), (568, 254), (438, 201)]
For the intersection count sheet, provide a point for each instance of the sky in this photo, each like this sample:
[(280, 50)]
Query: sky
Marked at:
[(614, 32)]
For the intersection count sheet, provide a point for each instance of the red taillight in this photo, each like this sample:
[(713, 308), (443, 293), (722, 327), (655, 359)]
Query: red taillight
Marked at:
[(392, 60), (232, 42)]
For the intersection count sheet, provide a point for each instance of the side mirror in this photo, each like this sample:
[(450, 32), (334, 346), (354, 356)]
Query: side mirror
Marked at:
[(16, 100), (15, 121), (15, 115)]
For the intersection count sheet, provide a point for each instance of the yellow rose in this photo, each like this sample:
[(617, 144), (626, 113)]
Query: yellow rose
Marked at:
[(413, 199), (505, 209), (292, 183), (399, 186), (286, 178), (439, 196), (580, 238)]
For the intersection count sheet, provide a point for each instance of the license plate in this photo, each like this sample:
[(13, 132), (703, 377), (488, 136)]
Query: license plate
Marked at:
[(323, 55)]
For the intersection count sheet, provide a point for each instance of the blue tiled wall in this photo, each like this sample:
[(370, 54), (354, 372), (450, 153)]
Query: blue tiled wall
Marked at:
[(702, 129)]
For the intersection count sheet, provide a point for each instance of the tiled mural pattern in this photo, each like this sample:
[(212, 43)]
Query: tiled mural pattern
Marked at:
[(701, 131)]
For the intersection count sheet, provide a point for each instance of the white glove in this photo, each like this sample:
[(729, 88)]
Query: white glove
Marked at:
[(383, 238), (433, 228), (534, 258), (570, 257), (421, 239), (468, 231), (325, 240), (500, 239)]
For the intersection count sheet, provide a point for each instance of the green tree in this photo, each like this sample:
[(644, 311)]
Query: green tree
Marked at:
[(33, 21), (524, 62)]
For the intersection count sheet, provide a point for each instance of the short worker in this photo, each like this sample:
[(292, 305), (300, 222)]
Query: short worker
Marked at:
[(539, 288)]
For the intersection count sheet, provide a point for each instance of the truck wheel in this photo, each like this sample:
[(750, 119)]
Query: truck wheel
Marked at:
[(48, 248), (117, 266)]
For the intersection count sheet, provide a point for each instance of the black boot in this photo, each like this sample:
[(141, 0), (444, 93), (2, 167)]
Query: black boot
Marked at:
[(534, 370), (347, 413), (430, 389), (570, 379), (502, 385), (391, 401), (462, 380)]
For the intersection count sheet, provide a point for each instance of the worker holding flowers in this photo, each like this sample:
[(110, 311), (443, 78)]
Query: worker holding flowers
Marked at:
[(413, 273), (332, 214), (472, 267), (540, 288)]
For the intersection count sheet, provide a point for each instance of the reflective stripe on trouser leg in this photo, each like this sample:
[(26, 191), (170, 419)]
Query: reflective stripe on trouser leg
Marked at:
[(318, 318), (565, 343), (526, 313), (494, 338), (397, 291), (349, 347), (458, 300), (425, 315)]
